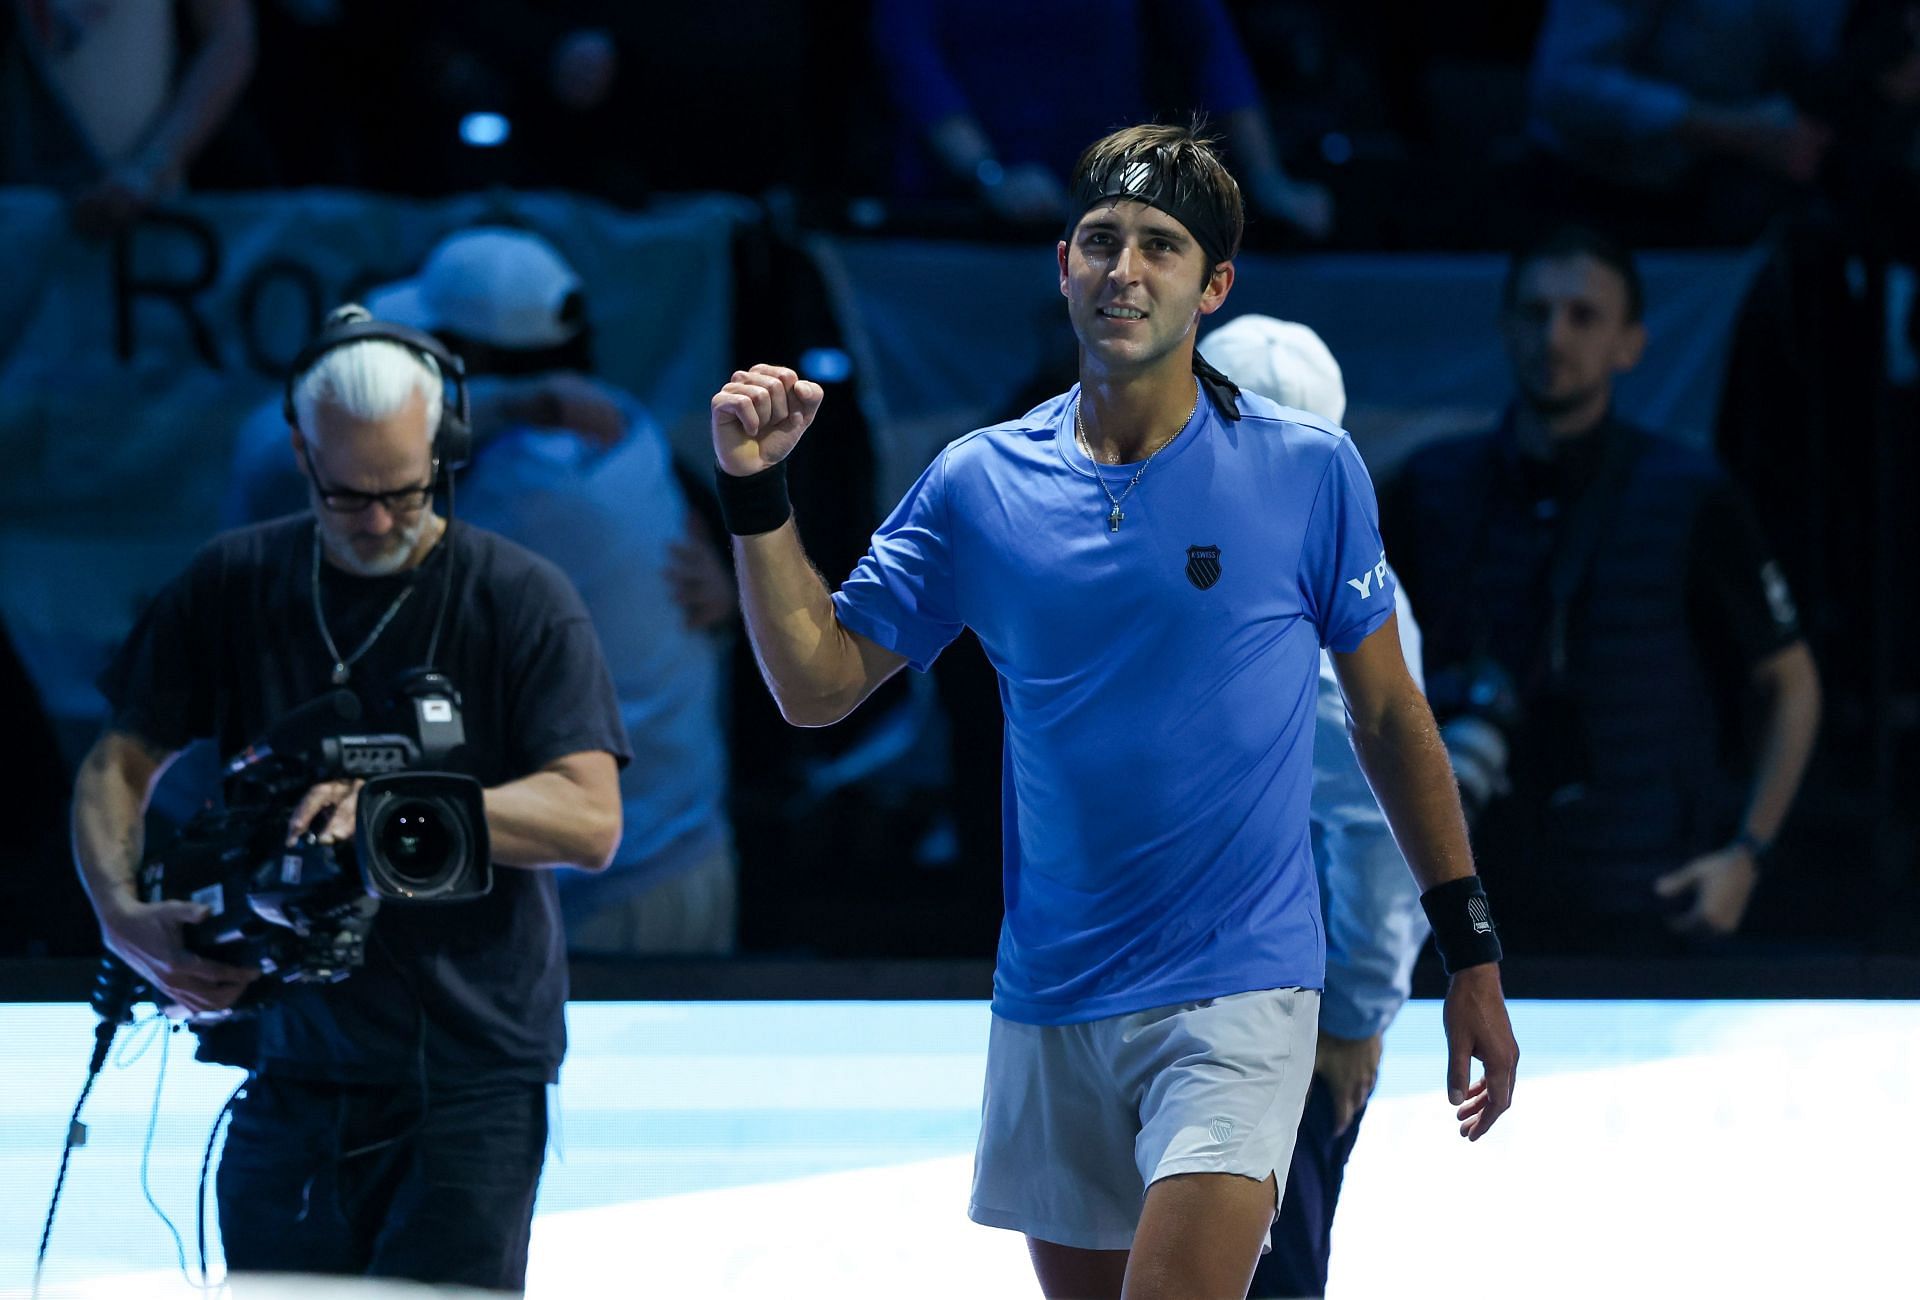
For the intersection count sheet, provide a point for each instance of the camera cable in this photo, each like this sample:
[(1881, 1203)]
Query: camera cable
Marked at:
[(76, 1136), (115, 989), (200, 1201), (446, 582), (419, 1064), (146, 1148)]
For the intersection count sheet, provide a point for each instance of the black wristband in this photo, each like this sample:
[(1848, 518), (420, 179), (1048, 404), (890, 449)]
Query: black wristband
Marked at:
[(1462, 925), (753, 503)]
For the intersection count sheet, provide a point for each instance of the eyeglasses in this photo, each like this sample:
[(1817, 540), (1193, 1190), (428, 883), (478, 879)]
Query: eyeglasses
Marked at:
[(400, 501)]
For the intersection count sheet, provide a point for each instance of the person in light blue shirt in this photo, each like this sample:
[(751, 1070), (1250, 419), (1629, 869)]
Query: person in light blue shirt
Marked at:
[(1152, 562), (1368, 901), (578, 472)]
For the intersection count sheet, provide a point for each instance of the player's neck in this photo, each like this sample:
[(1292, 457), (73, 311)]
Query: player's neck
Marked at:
[(1127, 417)]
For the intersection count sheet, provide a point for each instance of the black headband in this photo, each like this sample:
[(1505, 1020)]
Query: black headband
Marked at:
[(1150, 177)]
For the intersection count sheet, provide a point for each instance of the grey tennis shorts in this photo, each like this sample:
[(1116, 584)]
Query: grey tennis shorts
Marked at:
[(1079, 1120)]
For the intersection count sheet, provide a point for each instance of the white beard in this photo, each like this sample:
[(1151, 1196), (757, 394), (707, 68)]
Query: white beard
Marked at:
[(404, 541)]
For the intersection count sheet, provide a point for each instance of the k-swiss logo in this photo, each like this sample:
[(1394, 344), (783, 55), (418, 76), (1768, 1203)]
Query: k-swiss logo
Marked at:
[(1203, 566), (1481, 918)]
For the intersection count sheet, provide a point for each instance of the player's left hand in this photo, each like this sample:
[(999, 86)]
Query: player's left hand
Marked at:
[(1722, 883), (1477, 1028), (328, 810)]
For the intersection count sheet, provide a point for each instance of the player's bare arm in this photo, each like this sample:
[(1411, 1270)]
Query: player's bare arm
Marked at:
[(1400, 750), (818, 671)]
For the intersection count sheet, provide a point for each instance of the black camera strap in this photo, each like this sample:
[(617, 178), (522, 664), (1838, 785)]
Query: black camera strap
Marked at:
[(1578, 541)]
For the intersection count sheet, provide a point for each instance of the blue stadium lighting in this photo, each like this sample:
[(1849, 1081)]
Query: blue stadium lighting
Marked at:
[(826, 365), (485, 130)]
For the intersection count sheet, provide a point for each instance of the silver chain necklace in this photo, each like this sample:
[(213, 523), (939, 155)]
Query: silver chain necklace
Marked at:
[(1115, 515), (343, 668)]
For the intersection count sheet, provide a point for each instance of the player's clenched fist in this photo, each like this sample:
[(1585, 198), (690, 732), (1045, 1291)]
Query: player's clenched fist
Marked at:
[(759, 415)]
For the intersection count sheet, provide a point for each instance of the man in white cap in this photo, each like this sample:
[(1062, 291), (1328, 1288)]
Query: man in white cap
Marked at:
[(601, 501), (1368, 899)]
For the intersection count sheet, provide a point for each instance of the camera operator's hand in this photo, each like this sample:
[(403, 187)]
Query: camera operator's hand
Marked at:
[(148, 937), (327, 811), (1722, 883)]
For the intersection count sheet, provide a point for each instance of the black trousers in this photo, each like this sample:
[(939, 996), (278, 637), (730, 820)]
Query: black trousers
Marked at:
[(1303, 1234), (337, 1179)]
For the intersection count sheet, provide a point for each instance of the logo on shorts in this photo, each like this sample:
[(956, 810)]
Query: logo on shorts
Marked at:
[(1203, 566), (1221, 1128)]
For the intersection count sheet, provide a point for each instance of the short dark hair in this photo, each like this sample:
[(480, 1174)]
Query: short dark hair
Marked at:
[(1189, 163), (1577, 241)]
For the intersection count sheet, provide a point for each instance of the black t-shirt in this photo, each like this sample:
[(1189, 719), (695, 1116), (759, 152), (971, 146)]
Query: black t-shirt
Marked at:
[(233, 644), (1742, 611)]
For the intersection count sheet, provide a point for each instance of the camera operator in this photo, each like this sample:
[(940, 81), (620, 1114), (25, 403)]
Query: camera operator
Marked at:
[(393, 1124), (1603, 596)]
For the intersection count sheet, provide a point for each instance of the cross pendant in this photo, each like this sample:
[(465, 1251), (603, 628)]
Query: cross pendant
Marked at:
[(1113, 519)]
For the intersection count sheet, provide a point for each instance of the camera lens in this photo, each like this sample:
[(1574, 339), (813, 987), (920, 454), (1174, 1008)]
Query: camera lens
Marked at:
[(423, 838), (415, 842)]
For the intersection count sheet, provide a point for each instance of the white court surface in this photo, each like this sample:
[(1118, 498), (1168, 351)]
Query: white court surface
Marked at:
[(1727, 1149)]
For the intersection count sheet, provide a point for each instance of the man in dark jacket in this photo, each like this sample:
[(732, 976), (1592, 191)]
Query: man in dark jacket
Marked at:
[(1617, 582)]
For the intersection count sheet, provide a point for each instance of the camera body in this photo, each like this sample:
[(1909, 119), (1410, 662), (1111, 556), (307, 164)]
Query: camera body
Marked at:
[(1479, 710), (302, 912)]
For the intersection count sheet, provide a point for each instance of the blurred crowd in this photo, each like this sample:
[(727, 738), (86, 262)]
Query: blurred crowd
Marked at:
[(1394, 124), (1788, 125)]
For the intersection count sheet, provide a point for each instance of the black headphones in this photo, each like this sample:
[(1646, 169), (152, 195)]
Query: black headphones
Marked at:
[(453, 439)]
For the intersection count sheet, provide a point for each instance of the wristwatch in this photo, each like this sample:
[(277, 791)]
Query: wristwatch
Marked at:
[(1757, 849)]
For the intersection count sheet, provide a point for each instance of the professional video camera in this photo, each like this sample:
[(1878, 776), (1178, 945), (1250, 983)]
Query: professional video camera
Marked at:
[(302, 913), (1479, 710)]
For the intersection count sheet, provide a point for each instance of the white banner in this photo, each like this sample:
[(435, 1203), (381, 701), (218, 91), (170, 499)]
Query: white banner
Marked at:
[(127, 368)]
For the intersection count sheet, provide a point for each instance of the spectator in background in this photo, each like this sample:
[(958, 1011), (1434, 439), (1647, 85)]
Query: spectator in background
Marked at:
[(577, 472), (1685, 105), (1369, 904), (542, 79), (1614, 586), (98, 100), (998, 96)]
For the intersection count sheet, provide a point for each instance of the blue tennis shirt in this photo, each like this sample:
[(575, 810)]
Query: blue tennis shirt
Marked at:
[(1159, 687)]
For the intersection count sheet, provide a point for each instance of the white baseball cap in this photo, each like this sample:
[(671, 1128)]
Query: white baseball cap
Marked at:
[(1282, 361), (495, 285)]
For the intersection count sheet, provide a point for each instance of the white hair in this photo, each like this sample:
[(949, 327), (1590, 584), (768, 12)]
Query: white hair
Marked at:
[(367, 380)]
